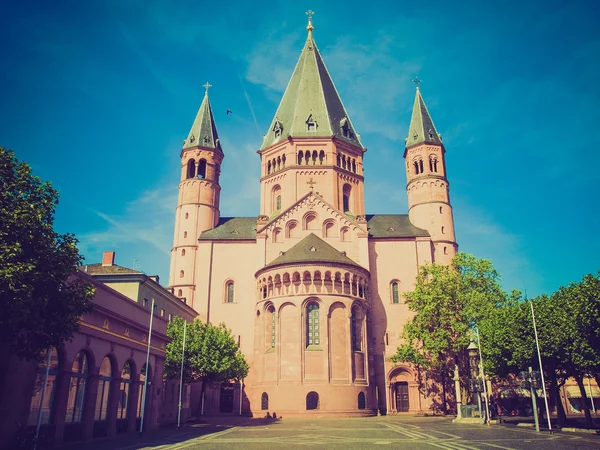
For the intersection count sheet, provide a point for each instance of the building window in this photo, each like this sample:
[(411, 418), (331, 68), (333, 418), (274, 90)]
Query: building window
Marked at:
[(191, 168), (311, 123), (264, 401), (77, 388), (276, 198), (202, 169), (395, 296), (443, 232), (229, 291), (125, 390), (170, 317), (362, 402), (310, 221), (416, 165), (300, 157), (103, 389), (440, 210), (145, 303), (347, 192), (181, 273), (321, 157), (312, 401), (271, 320), (180, 293), (162, 312), (445, 250), (185, 234), (312, 325), (36, 398), (421, 166), (183, 252), (353, 325)]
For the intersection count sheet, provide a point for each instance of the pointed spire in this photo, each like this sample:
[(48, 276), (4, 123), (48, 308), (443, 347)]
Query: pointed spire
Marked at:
[(204, 131), (421, 129), (311, 105)]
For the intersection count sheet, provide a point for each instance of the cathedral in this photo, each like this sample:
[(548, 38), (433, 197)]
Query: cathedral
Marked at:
[(312, 286)]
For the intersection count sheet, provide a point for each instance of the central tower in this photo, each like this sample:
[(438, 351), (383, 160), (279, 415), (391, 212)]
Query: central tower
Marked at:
[(311, 143)]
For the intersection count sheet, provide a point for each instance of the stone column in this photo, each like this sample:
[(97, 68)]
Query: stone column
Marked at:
[(112, 406), (63, 381), (89, 406), (132, 402), (458, 396)]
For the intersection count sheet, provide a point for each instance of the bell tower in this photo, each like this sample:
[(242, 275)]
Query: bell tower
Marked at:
[(428, 188), (198, 199)]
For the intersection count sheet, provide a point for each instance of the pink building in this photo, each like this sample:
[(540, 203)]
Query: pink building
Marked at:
[(96, 381), (312, 287)]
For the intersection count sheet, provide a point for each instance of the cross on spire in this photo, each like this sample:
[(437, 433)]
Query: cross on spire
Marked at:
[(310, 13), (207, 85), (311, 184), (416, 81)]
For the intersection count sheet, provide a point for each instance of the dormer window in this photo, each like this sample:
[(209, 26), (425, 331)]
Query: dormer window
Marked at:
[(206, 139), (345, 127), (277, 128), (192, 139), (430, 133), (311, 123)]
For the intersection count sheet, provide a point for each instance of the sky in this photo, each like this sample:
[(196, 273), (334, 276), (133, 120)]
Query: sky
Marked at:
[(98, 96)]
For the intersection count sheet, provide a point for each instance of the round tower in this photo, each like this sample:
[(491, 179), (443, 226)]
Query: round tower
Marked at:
[(428, 189), (198, 199)]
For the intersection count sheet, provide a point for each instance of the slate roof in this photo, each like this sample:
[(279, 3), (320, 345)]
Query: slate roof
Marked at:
[(99, 269), (232, 228), (312, 249), (421, 129), (310, 95), (392, 225), (204, 130)]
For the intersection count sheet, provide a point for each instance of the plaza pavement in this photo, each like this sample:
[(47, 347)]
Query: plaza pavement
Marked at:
[(402, 432)]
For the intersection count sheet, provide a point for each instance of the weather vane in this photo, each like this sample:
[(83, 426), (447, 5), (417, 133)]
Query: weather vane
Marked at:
[(207, 85), (416, 81), (310, 13)]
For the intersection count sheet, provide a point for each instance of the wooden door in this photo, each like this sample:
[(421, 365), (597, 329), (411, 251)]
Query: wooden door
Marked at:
[(226, 399), (402, 404)]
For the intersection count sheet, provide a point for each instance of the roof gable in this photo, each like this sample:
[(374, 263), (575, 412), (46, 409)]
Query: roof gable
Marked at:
[(393, 226), (232, 228)]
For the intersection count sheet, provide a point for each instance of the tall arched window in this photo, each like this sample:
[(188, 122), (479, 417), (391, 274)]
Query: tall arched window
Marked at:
[(420, 166), (105, 377), (36, 398), (276, 198), (191, 168), (77, 388), (300, 157), (431, 163), (268, 167), (270, 320), (321, 157), (202, 169), (125, 389), (339, 159), (312, 400), (354, 165), (310, 222), (395, 295), (356, 330), (416, 165), (229, 290), (347, 192), (264, 401), (313, 336)]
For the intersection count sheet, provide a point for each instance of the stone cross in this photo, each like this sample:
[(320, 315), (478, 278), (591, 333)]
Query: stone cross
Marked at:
[(207, 86), (311, 184), (416, 81)]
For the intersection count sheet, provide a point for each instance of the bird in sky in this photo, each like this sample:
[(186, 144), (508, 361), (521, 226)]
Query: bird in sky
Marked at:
[(229, 112)]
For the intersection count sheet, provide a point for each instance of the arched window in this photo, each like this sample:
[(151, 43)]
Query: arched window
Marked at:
[(343, 162), (445, 250), (181, 273), (185, 234), (104, 379), (292, 229), (435, 165), (346, 197), (329, 229), (313, 336), (420, 166), (36, 398), (179, 293), (229, 290), (277, 235), (310, 222), (312, 401), (276, 198), (279, 163), (443, 232), (307, 157), (354, 324), (191, 168), (354, 165), (126, 375), (269, 167), (440, 210), (77, 388), (264, 401), (270, 321), (362, 401), (395, 295), (314, 157), (321, 157), (187, 215), (202, 169), (283, 161), (344, 235), (431, 163), (339, 159), (416, 164), (183, 252), (300, 157)]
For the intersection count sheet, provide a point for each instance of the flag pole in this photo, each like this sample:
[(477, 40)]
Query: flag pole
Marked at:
[(537, 344), (181, 376), (41, 411), (147, 374)]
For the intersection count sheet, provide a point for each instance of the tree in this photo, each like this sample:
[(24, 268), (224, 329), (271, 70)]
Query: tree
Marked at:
[(40, 300), (211, 354), (447, 302)]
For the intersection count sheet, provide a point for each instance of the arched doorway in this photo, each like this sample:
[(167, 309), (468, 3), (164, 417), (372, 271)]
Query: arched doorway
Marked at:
[(402, 395)]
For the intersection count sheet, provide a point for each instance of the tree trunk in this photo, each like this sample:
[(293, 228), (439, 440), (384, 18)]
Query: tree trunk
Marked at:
[(586, 406), (200, 411), (561, 417), (444, 405)]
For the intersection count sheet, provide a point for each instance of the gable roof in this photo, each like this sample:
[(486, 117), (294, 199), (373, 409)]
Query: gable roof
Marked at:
[(204, 130), (99, 269), (421, 129), (312, 249), (310, 98), (392, 225), (232, 228)]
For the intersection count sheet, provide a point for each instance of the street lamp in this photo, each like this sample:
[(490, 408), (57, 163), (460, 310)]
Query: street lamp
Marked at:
[(531, 380), (475, 383)]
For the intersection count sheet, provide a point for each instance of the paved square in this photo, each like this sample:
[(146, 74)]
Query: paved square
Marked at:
[(358, 433)]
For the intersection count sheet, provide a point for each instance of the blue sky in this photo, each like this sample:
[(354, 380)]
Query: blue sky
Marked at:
[(98, 96)]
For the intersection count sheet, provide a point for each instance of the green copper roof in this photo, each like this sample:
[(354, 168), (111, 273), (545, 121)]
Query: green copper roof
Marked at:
[(421, 130), (311, 105), (392, 225), (204, 131), (312, 249), (232, 228)]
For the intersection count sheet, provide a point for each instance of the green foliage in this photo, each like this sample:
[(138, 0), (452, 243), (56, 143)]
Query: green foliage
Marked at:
[(211, 353), (447, 302), (40, 301)]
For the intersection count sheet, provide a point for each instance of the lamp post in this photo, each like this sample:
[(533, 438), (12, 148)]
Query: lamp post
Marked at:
[(474, 382), (531, 380)]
